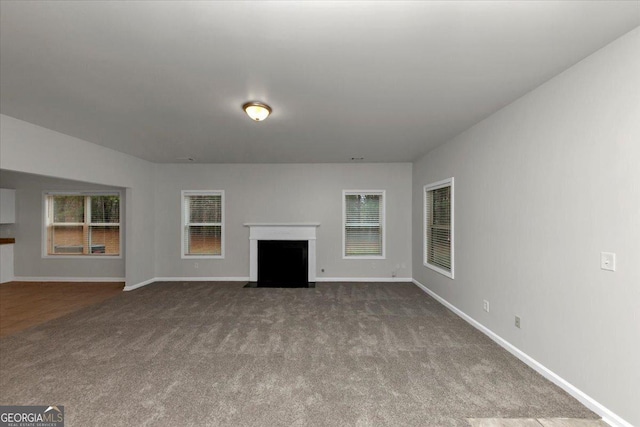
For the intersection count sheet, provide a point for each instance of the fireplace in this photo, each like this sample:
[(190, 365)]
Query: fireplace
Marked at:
[(282, 255), (283, 263)]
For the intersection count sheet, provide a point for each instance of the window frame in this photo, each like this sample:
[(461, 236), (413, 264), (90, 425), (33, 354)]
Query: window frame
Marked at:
[(183, 224), (86, 195), (449, 182), (383, 220)]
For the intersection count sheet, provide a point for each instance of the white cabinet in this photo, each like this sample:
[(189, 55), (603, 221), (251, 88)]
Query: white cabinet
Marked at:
[(7, 206), (6, 263)]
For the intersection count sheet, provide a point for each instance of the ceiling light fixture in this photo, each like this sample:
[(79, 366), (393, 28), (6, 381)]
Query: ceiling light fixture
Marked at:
[(257, 111)]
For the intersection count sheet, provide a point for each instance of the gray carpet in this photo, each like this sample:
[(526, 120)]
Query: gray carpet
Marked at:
[(218, 354)]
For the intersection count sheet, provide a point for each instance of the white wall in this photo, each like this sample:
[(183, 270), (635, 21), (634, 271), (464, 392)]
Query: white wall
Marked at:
[(28, 231), (33, 149), (284, 193), (541, 188), (254, 193)]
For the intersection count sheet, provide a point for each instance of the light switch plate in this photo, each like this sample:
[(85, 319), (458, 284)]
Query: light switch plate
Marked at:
[(608, 261)]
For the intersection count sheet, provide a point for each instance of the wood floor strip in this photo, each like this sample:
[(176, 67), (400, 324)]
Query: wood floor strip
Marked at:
[(24, 305)]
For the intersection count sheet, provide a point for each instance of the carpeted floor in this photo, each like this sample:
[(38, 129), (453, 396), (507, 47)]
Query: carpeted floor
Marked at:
[(219, 354)]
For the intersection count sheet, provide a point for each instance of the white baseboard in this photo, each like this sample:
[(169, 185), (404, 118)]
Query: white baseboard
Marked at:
[(607, 415), (185, 279), (139, 285), (363, 279), (246, 279), (67, 279), (201, 279)]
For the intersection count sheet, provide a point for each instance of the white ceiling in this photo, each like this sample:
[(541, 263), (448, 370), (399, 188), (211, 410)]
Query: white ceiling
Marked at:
[(386, 81)]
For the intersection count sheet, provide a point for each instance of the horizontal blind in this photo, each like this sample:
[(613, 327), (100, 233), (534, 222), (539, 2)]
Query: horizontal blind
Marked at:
[(363, 226), (204, 209), (203, 229), (105, 209), (438, 227), (83, 224), (67, 209), (104, 228)]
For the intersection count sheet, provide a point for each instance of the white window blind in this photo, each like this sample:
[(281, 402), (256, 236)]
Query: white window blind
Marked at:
[(203, 223), (363, 224), (82, 224), (438, 241)]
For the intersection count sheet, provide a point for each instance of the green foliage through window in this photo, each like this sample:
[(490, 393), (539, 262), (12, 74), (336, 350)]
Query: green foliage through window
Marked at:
[(83, 224)]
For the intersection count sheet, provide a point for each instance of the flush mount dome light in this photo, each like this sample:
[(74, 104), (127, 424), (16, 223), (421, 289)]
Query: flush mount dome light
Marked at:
[(257, 111)]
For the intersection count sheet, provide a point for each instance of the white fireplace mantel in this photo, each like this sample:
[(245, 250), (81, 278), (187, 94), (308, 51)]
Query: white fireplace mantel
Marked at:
[(281, 231)]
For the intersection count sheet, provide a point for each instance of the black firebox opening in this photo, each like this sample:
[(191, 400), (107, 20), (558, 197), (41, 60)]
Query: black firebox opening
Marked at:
[(283, 263)]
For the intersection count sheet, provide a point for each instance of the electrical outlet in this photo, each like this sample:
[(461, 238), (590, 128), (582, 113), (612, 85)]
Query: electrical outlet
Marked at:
[(608, 261), (195, 265), (485, 305), (517, 322)]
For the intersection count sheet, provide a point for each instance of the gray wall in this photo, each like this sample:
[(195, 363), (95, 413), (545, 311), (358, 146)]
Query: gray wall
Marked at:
[(33, 149), (541, 188), (28, 260), (284, 193), (7, 230)]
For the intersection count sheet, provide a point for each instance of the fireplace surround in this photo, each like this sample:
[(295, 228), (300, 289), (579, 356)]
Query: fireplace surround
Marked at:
[(282, 231)]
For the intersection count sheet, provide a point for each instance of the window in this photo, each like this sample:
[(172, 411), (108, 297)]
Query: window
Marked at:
[(203, 224), (78, 224), (438, 226), (363, 220)]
